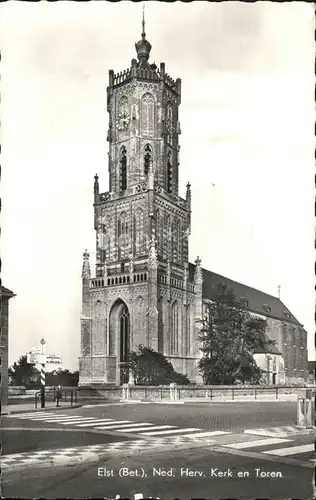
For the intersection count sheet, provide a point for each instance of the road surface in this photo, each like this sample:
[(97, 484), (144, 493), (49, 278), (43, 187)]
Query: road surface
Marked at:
[(198, 473)]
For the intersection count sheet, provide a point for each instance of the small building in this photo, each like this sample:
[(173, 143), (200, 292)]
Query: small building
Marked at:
[(5, 296)]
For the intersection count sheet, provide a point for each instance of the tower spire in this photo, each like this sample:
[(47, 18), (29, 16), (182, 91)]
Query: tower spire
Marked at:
[(143, 47), (143, 24)]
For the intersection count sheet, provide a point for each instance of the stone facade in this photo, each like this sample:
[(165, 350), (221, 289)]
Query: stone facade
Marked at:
[(145, 291), (6, 295), (142, 294)]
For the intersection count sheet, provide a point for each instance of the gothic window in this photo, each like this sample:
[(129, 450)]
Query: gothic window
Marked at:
[(285, 345), (160, 326), (124, 334), (123, 238), (174, 236), (139, 237), (169, 172), (123, 169), (148, 115), (174, 340), (159, 232), (105, 242), (167, 238), (147, 158), (169, 123), (179, 242), (294, 348), (123, 105), (188, 331)]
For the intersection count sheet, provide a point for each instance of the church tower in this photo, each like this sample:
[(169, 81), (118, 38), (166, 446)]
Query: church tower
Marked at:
[(142, 292)]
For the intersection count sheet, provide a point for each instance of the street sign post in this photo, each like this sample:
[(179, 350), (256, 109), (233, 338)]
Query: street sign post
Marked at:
[(53, 359), (32, 358), (42, 361)]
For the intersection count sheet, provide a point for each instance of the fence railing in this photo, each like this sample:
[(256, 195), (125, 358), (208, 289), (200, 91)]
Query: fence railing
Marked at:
[(174, 392), (70, 395)]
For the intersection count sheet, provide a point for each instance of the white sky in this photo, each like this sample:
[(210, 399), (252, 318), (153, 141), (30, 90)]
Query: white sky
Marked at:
[(247, 117)]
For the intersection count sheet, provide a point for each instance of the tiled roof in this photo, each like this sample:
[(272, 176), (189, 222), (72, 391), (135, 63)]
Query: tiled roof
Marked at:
[(251, 299)]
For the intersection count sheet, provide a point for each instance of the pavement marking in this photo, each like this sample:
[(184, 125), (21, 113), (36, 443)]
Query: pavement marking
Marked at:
[(59, 419), (293, 450), (258, 442), (170, 432), (206, 434), (21, 415), (36, 416), (77, 421), (125, 426), (122, 426), (96, 421), (283, 431), (155, 427), (115, 423), (47, 418)]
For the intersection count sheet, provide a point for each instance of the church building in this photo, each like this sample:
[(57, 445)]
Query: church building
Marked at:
[(145, 291)]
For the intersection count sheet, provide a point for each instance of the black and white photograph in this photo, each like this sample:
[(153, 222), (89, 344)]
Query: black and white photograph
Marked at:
[(157, 250)]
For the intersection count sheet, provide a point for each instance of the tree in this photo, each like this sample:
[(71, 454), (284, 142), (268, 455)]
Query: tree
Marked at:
[(229, 337), (64, 378), (152, 368), (22, 373)]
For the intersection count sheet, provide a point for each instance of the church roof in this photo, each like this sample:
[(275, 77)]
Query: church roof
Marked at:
[(251, 299)]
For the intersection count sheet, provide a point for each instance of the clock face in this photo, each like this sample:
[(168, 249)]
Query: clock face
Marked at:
[(122, 121)]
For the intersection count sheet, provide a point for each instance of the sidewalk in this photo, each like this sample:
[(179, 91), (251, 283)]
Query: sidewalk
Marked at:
[(28, 407)]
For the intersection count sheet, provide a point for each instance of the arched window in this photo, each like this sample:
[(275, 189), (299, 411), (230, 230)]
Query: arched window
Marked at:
[(169, 172), (160, 326), (147, 158), (167, 238), (187, 349), (123, 105), (159, 232), (105, 242), (123, 169), (124, 334), (148, 115), (169, 123), (294, 348), (123, 237), (139, 237), (174, 235), (139, 317), (174, 340), (179, 242)]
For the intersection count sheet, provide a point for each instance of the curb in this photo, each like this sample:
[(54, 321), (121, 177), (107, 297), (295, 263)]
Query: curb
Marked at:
[(305, 431), (90, 457), (35, 410), (262, 456)]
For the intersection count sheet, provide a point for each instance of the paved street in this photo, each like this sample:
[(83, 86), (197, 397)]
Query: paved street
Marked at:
[(26, 435), (168, 476), (22, 441), (208, 416)]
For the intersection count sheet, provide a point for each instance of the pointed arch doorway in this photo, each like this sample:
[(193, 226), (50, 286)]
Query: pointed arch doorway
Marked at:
[(119, 341)]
